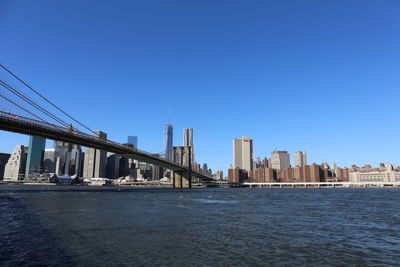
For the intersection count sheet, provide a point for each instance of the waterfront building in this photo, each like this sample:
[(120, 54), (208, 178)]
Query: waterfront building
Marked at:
[(3, 161), (168, 141), (386, 175), (243, 153), (236, 175), (133, 140), (287, 175), (95, 160), (262, 175), (315, 176), (16, 164), (300, 158), (342, 174), (298, 175), (35, 155), (280, 160)]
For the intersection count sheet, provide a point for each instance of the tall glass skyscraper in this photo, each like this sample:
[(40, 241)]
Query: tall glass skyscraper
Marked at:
[(168, 141), (35, 155), (133, 140)]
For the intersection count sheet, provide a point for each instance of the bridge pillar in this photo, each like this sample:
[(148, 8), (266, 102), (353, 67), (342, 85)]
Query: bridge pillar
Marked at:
[(177, 179), (181, 179)]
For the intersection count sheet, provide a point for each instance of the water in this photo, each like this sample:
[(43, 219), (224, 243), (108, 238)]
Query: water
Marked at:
[(70, 226)]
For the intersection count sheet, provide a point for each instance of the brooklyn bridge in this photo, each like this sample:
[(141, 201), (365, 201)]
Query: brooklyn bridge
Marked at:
[(23, 114)]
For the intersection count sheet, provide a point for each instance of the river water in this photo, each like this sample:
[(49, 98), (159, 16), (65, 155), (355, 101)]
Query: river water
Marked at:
[(82, 226)]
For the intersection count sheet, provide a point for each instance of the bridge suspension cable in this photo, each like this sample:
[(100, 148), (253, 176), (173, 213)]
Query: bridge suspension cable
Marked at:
[(47, 100), (33, 104), (22, 108)]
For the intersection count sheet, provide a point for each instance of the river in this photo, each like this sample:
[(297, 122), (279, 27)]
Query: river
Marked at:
[(86, 226)]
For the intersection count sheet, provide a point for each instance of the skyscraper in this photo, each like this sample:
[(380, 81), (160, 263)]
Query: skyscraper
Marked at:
[(188, 137), (280, 160), (243, 153), (49, 160), (168, 142), (133, 140), (67, 158), (188, 141), (300, 158), (95, 161), (35, 155)]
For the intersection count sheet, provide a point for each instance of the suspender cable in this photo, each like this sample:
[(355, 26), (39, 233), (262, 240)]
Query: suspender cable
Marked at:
[(47, 100)]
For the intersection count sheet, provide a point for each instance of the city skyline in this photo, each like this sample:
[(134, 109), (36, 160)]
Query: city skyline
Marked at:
[(312, 74)]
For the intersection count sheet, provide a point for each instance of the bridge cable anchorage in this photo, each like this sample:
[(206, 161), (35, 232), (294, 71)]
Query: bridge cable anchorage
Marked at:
[(47, 100), (30, 102), (22, 108)]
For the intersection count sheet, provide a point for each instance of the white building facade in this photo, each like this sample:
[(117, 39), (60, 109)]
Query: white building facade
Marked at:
[(16, 164), (375, 176), (243, 153)]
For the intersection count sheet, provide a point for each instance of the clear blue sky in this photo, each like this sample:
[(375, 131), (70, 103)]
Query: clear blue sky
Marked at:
[(320, 76)]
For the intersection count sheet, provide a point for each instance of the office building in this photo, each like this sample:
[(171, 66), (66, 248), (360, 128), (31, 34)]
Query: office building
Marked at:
[(49, 160), (280, 160), (300, 158), (133, 140), (67, 158), (205, 168), (35, 155), (113, 162), (16, 164), (188, 141), (219, 175), (95, 161), (168, 142), (3, 161), (243, 153)]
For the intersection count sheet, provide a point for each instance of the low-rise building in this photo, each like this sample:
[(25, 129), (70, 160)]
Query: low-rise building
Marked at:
[(236, 175), (15, 168), (388, 175)]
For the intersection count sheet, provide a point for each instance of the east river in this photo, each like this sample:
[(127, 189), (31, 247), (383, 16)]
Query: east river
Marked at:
[(82, 226)]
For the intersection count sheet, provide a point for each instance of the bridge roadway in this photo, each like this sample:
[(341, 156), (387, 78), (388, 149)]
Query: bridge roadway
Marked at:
[(18, 124)]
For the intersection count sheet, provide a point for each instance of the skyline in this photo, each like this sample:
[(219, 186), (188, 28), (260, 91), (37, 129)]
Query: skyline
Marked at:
[(226, 71)]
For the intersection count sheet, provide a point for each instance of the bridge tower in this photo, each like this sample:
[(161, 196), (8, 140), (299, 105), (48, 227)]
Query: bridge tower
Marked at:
[(182, 179)]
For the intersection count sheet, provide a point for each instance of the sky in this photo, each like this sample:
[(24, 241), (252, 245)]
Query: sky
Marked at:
[(319, 76)]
